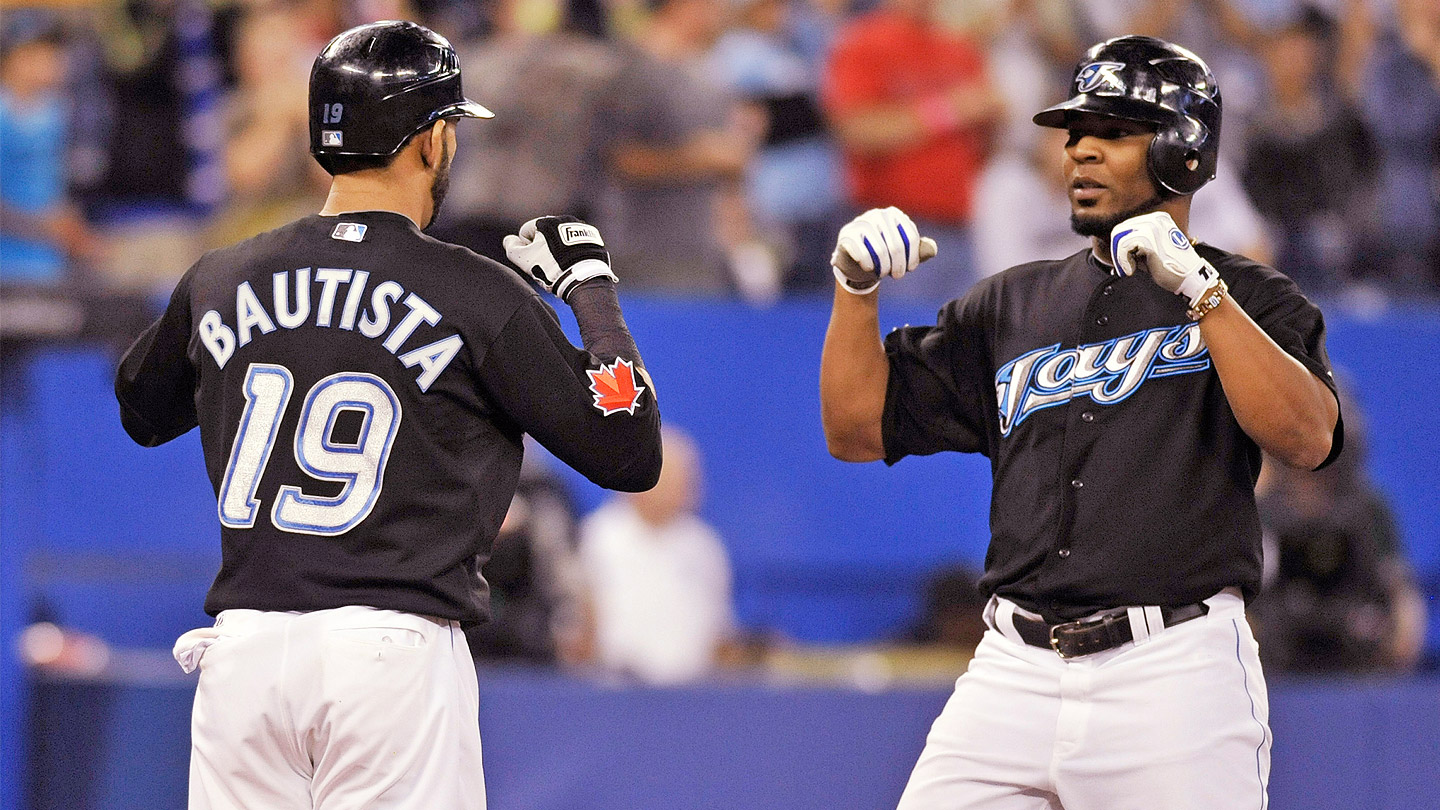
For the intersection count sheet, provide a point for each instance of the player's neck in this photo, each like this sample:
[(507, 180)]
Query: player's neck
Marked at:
[(377, 191)]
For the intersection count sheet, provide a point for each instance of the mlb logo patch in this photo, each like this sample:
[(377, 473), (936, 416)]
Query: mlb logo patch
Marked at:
[(332, 137), (349, 232)]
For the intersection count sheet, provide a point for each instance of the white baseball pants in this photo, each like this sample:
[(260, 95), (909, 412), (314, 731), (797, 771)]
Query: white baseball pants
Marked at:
[(333, 710), (1175, 721)]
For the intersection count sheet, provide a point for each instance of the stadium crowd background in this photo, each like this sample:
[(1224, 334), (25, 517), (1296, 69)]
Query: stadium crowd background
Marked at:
[(719, 145)]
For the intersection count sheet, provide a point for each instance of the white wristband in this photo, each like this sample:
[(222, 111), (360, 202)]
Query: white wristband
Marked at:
[(845, 283)]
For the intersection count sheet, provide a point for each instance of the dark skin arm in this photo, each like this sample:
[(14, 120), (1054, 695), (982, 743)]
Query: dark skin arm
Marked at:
[(853, 377), (1278, 402)]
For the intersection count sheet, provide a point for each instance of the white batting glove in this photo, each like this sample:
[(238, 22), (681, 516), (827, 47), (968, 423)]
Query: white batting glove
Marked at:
[(880, 242), (1153, 243), (560, 253)]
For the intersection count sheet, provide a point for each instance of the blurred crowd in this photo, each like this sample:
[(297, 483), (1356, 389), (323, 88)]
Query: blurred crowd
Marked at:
[(719, 144)]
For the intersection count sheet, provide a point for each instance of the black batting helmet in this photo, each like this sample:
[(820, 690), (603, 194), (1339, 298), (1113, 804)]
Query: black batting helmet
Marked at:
[(1147, 79), (375, 85)]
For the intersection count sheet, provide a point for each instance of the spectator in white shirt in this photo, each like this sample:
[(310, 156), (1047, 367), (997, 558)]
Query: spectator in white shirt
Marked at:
[(658, 576)]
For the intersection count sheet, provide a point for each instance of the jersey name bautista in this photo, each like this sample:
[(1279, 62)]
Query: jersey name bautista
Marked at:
[(1106, 372), (250, 315)]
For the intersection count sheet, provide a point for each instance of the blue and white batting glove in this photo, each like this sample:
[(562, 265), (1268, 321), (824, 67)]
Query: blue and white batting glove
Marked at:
[(1153, 243), (880, 242), (560, 253)]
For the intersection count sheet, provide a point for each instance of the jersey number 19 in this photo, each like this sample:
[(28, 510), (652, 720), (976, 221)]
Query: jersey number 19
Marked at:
[(359, 466)]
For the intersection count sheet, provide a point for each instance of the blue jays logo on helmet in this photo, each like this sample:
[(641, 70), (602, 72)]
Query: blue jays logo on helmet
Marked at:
[(1101, 78)]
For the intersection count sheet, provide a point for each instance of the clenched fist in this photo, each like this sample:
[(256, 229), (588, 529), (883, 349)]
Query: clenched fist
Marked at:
[(1153, 243), (559, 252)]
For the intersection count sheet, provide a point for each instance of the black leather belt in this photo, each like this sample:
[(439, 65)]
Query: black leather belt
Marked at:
[(1106, 632)]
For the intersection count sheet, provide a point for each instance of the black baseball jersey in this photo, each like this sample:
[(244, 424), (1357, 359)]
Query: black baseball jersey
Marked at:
[(1120, 474), (361, 391)]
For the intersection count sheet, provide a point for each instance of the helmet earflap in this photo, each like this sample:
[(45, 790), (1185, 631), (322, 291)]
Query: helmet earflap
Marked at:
[(1182, 158)]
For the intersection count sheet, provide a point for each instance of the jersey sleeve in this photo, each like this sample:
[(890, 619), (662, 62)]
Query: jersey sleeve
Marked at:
[(938, 388), (155, 383), (1278, 307), (598, 415)]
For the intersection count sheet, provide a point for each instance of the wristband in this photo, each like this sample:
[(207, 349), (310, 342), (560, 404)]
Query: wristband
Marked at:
[(1210, 300), (848, 286)]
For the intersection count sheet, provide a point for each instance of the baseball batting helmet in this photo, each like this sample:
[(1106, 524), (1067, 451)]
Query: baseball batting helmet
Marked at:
[(375, 85), (1147, 79)]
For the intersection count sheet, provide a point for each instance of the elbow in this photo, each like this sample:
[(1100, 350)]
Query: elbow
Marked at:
[(639, 474), (1317, 451), (855, 446), (1307, 450)]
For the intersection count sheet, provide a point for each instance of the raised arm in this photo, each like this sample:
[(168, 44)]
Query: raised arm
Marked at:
[(1279, 402), (595, 408), (853, 374), (853, 369)]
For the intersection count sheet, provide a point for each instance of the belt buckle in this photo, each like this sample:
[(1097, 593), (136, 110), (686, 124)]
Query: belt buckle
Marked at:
[(1055, 640)]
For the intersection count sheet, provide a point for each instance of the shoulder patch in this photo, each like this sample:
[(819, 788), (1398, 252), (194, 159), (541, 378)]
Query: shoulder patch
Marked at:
[(615, 388), (349, 232)]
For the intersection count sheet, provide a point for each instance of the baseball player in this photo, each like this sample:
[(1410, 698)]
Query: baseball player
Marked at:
[(361, 391), (1123, 396)]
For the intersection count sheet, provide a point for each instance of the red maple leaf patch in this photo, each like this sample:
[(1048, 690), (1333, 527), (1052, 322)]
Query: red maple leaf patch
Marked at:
[(615, 388)]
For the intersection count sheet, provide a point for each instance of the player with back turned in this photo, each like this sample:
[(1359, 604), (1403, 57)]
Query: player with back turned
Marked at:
[(361, 391), (1123, 396)]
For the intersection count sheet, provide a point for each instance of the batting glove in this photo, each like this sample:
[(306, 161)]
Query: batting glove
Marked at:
[(880, 242), (1153, 243), (560, 253)]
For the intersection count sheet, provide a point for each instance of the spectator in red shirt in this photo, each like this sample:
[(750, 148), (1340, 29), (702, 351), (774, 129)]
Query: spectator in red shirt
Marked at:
[(914, 110)]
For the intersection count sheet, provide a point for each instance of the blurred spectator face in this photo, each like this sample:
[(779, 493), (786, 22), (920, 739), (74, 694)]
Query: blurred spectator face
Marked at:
[(678, 491), (764, 15), (707, 18), (1419, 11), (1105, 172), (1293, 59), (265, 49), (33, 70)]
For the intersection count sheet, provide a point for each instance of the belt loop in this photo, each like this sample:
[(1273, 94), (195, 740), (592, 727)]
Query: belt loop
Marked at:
[(1005, 620), (1154, 617), (1139, 623)]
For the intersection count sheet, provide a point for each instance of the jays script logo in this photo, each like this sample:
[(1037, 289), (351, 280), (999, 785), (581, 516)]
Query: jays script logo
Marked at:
[(1105, 372), (1100, 78)]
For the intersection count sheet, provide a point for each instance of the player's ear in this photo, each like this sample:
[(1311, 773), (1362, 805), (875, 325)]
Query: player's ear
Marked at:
[(432, 144)]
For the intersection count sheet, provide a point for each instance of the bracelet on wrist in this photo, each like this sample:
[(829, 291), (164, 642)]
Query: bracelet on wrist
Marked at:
[(1210, 300)]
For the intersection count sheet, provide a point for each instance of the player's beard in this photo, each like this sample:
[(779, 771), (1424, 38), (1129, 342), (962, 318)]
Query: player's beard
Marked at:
[(441, 184), (1102, 226)]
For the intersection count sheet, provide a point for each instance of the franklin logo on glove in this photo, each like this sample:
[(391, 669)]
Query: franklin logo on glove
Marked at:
[(578, 233), (559, 253)]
